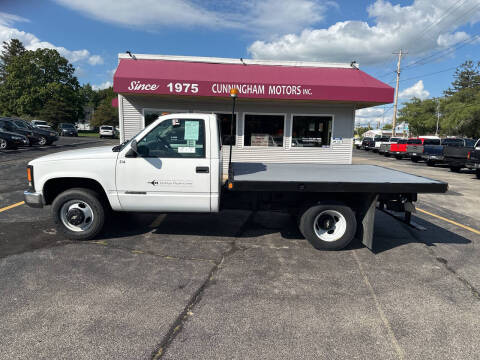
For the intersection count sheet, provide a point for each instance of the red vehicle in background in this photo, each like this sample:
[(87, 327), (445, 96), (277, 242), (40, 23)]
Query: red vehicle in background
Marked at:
[(399, 150)]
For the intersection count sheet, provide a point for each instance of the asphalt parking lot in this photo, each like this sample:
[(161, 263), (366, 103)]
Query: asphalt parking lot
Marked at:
[(239, 285)]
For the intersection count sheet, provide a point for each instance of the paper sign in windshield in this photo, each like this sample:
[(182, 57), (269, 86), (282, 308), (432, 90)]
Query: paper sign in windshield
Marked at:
[(192, 129)]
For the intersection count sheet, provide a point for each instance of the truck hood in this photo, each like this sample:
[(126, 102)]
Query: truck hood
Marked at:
[(94, 153)]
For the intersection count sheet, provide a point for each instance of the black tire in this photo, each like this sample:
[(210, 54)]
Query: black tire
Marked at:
[(398, 157), (386, 154), (308, 220), (3, 144), (91, 199), (414, 159), (430, 163), (455, 169), (477, 173)]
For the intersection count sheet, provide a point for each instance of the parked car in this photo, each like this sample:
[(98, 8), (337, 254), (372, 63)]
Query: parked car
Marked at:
[(384, 148), (433, 154), (473, 159), (45, 137), (10, 140), (67, 129), (368, 143), (9, 124), (41, 124), (358, 143), (108, 131), (455, 152), (415, 146), (379, 141), (399, 149)]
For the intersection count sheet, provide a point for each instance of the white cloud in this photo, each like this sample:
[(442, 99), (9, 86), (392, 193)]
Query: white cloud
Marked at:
[(373, 116), (95, 60), (421, 27), (266, 17), (102, 86), (31, 42), (417, 90)]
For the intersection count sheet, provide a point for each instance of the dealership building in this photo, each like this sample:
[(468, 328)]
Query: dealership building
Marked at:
[(290, 112)]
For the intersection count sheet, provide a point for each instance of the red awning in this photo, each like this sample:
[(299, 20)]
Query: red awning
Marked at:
[(169, 77)]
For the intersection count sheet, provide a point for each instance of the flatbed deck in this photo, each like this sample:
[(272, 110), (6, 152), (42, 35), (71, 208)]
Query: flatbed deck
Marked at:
[(330, 178)]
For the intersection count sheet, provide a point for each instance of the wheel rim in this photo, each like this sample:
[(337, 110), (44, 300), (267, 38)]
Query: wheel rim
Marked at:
[(76, 215), (3, 144), (42, 141), (330, 225)]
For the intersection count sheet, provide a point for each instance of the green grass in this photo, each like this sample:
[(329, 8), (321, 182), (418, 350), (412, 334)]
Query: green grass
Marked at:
[(88, 134)]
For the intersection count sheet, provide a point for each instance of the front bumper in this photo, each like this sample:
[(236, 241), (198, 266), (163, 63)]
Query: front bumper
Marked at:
[(33, 199), (473, 165)]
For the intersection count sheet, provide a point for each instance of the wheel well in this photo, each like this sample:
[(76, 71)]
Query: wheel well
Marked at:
[(54, 187)]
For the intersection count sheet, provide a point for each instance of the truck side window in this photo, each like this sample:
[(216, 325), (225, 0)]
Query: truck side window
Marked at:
[(175, 138)]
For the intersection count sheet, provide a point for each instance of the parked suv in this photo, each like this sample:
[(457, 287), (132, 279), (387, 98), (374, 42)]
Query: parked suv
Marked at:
[(67, 129), (10, 140), (107, 131), (40, 124)]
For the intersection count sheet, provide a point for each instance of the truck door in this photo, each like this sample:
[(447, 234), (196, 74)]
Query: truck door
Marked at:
[(170, 171)]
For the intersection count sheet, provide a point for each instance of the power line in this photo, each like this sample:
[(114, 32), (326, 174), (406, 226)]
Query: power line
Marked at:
[(425, 75)]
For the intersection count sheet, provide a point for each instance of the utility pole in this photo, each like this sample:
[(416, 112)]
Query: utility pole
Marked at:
[(438, 115), (394, 121)]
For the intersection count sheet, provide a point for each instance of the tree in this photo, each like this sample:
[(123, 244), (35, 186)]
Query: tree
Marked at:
[(421, 116), (105, 114), (461, 114), (362, 130), (35, 79), (10, 50), (467, 76), (387, 127)]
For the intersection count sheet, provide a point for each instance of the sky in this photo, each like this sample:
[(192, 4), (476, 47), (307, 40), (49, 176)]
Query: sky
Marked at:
[(436, 35)]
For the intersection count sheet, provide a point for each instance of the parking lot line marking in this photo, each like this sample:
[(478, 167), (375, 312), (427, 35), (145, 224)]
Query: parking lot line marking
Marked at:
[(11, 206), (475, 231), (384, 318)]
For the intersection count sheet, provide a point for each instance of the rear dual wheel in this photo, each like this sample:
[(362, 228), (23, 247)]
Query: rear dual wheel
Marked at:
[(328, 226)]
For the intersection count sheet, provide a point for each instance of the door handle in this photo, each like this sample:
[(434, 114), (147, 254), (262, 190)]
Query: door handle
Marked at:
[(203, 169)]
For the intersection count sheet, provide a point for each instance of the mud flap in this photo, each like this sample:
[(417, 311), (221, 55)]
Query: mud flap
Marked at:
[(366, 221)]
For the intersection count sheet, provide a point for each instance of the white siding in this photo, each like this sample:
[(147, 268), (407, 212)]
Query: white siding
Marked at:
[(343, 114)]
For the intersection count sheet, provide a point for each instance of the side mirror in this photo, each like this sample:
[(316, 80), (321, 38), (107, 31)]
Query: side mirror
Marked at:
[(133, 145), (133, 149)]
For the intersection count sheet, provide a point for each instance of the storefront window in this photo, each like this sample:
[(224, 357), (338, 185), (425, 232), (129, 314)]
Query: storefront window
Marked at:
[(152, 115), (311, 131), (225, 128), (264, 130)]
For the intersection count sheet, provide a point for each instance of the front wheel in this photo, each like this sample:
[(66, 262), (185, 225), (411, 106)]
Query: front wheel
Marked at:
[(398, 157), (3, 144), (42, 141), (78, 213), (455, 169), (478, 173), (414, 159), (430, 163), (328, 226)]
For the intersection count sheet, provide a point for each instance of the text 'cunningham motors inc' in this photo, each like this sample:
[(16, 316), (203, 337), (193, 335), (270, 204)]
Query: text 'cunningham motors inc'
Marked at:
[(259, 89)]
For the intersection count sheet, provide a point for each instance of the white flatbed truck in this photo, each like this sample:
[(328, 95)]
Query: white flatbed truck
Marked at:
[(175, 165)]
